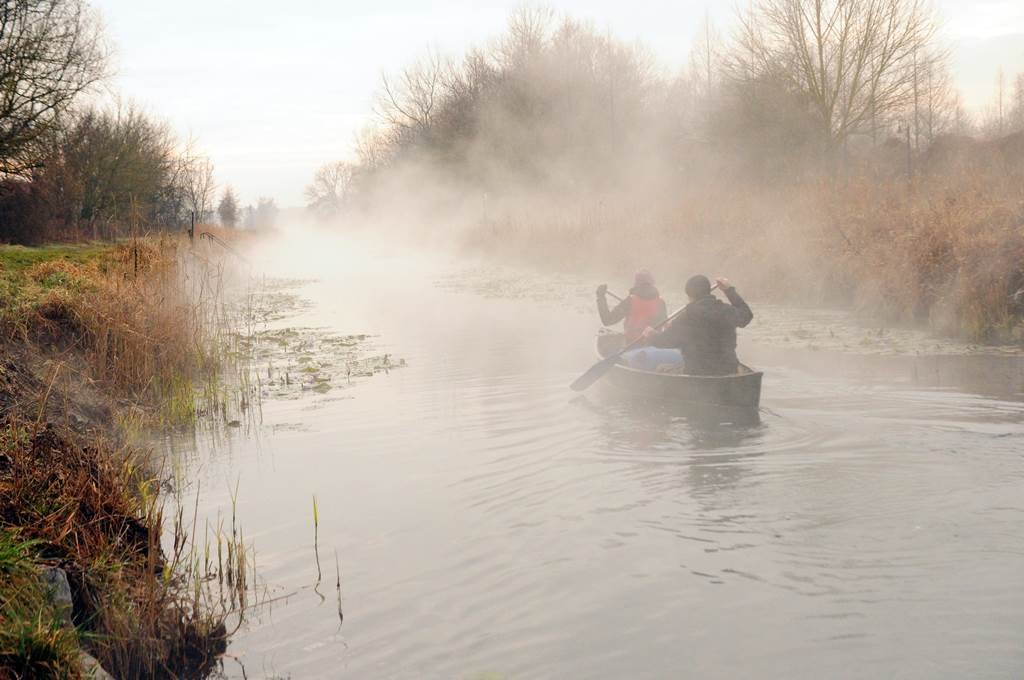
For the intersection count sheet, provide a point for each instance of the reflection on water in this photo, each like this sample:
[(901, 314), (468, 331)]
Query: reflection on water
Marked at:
[(867, 522)]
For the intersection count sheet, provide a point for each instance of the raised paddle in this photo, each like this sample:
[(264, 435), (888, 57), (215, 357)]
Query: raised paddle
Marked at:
[(604, 365)]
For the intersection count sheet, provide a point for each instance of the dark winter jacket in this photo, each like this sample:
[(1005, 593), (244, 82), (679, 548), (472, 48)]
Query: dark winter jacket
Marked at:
[(706, 333)]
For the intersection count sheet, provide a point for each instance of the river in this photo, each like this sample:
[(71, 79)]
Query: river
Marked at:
[(486, 522)]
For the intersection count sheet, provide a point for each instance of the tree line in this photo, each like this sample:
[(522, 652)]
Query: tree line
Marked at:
[(801, 88), (71, 168)]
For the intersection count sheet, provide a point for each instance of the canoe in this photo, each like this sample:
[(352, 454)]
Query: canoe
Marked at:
[(742, 390)]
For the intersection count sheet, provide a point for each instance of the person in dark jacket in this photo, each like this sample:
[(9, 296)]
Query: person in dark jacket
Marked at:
[(643, 306), (706, 330)]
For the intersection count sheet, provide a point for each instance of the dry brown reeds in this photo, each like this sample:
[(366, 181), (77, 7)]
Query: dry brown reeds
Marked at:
[(140, 314), (93, 512)]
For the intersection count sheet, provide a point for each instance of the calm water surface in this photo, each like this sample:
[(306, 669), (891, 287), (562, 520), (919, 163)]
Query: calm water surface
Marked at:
[(489, 523)]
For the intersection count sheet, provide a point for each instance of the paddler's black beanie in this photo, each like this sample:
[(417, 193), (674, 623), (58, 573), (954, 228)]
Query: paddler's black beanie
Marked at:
[(698, 286)]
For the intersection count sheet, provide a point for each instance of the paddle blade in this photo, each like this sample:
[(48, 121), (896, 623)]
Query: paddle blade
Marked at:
[(594, 374)]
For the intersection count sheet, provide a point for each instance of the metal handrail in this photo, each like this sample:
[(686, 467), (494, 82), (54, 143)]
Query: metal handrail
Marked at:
[(223, 244)]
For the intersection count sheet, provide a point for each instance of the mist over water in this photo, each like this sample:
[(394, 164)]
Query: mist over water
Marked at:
[(488, 522)]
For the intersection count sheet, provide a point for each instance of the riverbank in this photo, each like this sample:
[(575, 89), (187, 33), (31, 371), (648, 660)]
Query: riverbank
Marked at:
[(96, 338)]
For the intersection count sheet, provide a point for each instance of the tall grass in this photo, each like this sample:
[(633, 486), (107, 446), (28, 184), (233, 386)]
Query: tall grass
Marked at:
[(145, 319)]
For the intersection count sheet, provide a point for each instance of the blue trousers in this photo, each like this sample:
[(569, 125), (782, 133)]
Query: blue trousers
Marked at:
[(649, 358)]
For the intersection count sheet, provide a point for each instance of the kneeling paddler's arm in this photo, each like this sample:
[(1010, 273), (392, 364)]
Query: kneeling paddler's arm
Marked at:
[(613, 316), (662, 312), (741, 314)]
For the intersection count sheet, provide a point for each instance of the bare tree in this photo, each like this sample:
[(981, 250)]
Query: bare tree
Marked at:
[(370, 148), (1018, 103), (853, 60), (997, 119), (196, 177), (326, 194), (51, 51), (705, 56), (529, 28), (935, 101), (227, 209), (1000, 102), (408, 101)]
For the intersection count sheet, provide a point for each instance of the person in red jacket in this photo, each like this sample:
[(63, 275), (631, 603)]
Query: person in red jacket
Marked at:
[(643, 307)]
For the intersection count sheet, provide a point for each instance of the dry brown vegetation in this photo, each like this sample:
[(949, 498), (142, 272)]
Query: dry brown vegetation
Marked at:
[(93, 512), (133, 318)]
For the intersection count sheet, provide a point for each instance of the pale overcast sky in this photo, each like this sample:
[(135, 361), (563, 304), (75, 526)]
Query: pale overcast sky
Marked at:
[(273, 90)]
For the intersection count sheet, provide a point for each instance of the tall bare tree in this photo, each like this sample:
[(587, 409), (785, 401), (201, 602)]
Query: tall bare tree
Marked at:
[(195, 175), (326, 194), (409, 101), (1018, 103), (1001, 102), (852, 60), (705, 56), (934, 107), (51, 51)]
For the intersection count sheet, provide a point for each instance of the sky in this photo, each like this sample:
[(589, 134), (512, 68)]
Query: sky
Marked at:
[(275, 90)]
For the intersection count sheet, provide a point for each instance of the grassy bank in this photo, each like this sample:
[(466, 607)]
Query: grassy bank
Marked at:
[(93, 336)]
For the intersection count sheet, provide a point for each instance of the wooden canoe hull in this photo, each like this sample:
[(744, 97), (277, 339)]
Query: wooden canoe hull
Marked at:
[(742, 390)]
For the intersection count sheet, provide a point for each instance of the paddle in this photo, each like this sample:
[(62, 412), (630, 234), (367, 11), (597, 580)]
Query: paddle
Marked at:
[(604, 365)]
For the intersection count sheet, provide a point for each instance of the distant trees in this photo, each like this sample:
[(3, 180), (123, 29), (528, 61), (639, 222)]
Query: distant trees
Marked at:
[(106, 169), (264, 215), (227, 209), (112, 166), (550, 96), (68, 170), (325, 196), (1005, 114), (554, 113)]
